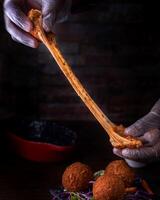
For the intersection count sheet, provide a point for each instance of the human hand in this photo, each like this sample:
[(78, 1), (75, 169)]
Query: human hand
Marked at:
[(18, 24), (147, 129)]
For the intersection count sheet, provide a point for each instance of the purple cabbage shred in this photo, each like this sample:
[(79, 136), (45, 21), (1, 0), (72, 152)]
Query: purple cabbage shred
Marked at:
[(61, 194)]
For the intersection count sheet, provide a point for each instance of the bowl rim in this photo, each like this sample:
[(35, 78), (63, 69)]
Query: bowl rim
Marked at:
[(12, 133), (14, 137)]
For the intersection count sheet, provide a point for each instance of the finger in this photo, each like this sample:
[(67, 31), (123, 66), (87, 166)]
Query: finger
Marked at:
[(150, 138), (154, 115), (156, 109), (49, 21), (117, 152), (146, 154), (141, 126), (13, 38), (137, 129), (49, 8), (14, 13), (19, 35)]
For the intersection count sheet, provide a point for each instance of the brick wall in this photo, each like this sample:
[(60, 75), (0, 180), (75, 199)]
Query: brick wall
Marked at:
[(113, 49)]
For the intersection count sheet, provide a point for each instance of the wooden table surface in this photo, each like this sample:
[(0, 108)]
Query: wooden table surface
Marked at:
[(25, 180)]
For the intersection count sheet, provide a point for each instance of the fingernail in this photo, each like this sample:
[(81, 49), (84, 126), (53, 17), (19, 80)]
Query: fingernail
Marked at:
[(126, 131), (125, 152), (117, 151), (32, 43)]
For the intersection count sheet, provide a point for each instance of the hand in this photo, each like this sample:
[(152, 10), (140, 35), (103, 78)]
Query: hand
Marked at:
[(147, 129), (18, 24)]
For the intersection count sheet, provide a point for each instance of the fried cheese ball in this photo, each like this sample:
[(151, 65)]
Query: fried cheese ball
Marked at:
[(121, 170), (76, 177), (108, 188)]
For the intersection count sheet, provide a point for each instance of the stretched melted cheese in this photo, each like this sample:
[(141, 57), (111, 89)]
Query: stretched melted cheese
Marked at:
[(49, 41)]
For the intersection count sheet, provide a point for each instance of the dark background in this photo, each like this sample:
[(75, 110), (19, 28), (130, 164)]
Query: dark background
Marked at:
[(114, 50)]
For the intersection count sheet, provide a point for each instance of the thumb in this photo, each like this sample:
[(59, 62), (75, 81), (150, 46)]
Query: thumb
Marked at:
[(48, 14), (151, 137), (141, 126)]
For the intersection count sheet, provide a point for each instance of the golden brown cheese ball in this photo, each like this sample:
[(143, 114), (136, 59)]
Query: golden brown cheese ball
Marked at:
[(76, 177), (121, 170), (108, 188)]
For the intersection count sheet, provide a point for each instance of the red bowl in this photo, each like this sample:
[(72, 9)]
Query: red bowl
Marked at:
[(38, 151)]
